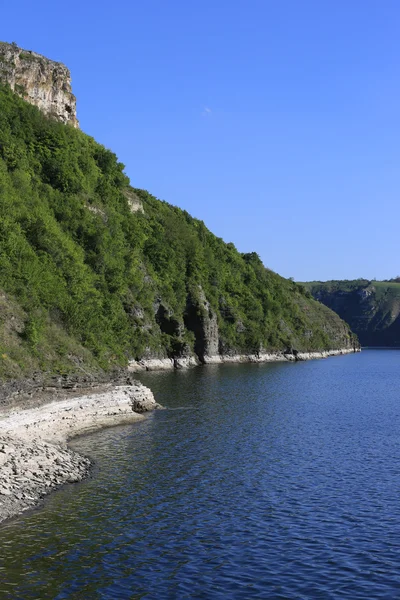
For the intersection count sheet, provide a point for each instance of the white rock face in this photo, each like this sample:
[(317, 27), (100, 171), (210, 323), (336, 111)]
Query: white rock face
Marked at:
[(135, 204), (186, 362), (162, 364), (63, 419), (274, 357), (40, 81), (151, 364)]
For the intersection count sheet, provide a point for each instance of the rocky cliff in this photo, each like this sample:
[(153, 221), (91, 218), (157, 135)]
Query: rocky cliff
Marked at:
[(40, 81), (371, 308)]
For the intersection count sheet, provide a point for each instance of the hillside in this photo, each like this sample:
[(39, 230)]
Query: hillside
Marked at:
[(94, 273), (372, 308)]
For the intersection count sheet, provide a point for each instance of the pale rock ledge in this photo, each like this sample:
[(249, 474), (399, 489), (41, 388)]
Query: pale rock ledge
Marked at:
[(34, 458)]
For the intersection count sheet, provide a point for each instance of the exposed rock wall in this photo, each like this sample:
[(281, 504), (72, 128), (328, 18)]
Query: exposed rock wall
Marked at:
[(202, 321), (135, 204), (40, 81)]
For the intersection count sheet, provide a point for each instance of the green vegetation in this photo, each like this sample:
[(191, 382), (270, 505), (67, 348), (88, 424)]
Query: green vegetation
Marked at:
[(372, 308), (27, 56), (21, 91), (87, 283)]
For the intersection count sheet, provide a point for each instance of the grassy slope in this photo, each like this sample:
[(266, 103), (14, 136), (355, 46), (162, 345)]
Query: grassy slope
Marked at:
[(372, 308), (86, 283)]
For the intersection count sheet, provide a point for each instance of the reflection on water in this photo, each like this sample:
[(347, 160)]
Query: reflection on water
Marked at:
[(275, 481)]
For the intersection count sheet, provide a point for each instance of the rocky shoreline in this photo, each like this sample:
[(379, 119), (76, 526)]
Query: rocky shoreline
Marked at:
[(34, 457), (168, 364)]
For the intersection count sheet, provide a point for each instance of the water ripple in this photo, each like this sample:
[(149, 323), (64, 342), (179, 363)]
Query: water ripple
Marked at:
[(261, 481)]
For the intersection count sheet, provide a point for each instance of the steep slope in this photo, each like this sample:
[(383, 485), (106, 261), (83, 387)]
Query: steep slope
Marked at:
[(372, 308), (94, 273)]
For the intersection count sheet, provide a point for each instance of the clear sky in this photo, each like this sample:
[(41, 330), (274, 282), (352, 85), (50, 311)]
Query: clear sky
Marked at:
[(275, 122)]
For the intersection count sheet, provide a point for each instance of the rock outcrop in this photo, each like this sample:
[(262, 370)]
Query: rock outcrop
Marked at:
[(134, 203), (40, 81), (202, 320)]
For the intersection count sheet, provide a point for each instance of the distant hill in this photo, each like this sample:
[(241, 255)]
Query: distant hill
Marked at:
[(371, 308)]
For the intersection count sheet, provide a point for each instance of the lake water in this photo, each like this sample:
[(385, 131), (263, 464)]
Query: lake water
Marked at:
[(259, 481)]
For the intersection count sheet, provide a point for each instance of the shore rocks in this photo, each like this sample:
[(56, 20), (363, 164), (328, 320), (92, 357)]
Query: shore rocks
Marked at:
[(212, 359), (29, 471), (34, 459)]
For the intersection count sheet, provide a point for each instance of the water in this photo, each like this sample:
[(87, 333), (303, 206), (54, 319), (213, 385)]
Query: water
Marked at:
[(260, 481)]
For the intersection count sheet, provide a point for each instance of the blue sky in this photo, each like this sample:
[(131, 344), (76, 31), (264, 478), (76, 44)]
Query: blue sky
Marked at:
[(275, 122)]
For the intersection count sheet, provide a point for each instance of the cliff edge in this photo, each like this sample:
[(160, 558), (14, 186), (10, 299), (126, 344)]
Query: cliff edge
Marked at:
[(40, 81)]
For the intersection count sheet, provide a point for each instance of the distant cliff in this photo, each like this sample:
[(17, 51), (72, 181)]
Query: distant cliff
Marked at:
[(371, 308), (40, 81)]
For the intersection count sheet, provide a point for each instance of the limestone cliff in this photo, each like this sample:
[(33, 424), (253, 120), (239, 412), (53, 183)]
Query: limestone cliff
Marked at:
[(40, 81)]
